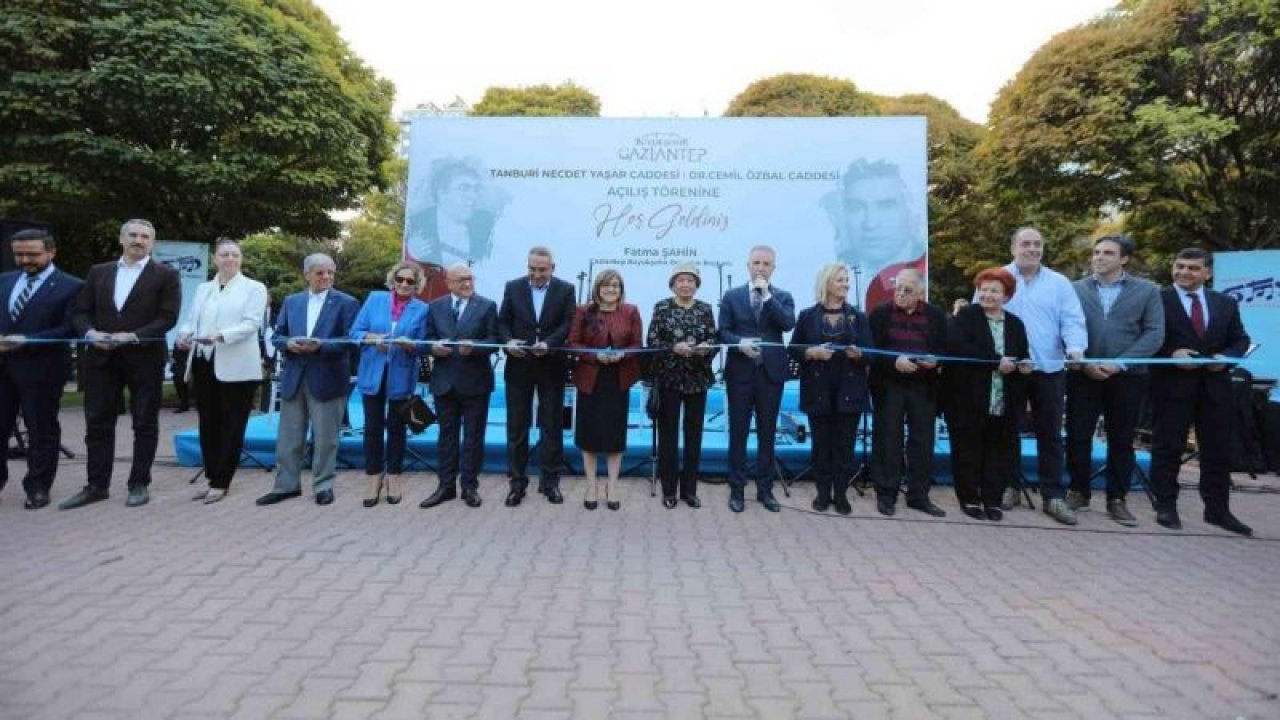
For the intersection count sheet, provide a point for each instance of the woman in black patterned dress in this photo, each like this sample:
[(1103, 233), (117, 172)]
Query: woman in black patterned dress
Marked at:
[(686, 327)]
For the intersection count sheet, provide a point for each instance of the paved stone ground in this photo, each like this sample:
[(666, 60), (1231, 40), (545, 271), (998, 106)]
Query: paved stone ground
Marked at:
[(234, 611)]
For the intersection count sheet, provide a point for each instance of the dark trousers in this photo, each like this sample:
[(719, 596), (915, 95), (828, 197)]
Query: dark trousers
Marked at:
[(224, 409), (1046, 392), (1212, 415), (462, 421), (549, 388), (39, 405), (895, 403), (760, 397), (674, 478), (104, 383), (1117, 399), (833, 437), (384, 433), (984, 455)]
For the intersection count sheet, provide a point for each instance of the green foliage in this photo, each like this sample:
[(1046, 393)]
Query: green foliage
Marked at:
[(374, 238), (1165, 113), (208, 117), (797, 95), (275, 259), (961, 240), (565, 99)]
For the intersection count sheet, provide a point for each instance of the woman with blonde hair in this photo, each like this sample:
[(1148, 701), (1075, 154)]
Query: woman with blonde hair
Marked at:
[(833, 382), (224, 363), (388, 324)]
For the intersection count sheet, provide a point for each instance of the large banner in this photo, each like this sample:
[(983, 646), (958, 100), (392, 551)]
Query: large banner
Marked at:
[(1253, 279), (643, 195), (191, 260)]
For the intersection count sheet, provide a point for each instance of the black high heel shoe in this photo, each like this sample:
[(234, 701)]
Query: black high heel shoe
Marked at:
[(377, 493), (590, 504), (392, 499), (614, 504)]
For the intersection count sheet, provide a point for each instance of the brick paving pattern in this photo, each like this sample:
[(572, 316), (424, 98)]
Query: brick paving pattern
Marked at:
[(180, 610)]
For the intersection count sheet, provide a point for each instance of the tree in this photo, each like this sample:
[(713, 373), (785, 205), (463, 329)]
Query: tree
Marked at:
[(374, 238), (275, 260), (207, 117), (538, 101), (962, 239), (796, 95), (1163, 112)]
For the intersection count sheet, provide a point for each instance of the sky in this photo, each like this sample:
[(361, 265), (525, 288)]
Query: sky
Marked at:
[(660, 58)]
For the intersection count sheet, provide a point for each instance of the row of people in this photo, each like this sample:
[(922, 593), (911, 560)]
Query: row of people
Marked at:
[(1027, 323)]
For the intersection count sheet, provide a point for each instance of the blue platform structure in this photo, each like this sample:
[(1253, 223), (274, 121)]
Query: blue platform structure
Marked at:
[(793, 445)]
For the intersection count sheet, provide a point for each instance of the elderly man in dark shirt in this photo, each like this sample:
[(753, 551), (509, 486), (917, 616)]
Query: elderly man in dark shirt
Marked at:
[(905, 388)]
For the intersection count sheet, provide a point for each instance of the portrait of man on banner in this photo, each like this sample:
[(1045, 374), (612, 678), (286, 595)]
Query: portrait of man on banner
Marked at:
[(452, 219), (878, 229)]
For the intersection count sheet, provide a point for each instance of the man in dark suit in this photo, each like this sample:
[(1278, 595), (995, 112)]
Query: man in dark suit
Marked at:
[(904, 388), (461, 382), (38, 298), (535, 315), (124, 309), (1125, 319), (754, 375), (1199, 323), (314, 382)]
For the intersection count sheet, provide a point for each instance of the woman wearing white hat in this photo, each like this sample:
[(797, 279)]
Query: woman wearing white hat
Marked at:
[(686, 327)]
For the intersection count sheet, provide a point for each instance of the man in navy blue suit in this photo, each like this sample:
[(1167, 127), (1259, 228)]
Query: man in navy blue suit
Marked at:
[(314, 382), (754, 375), (461, 382), (1198, 323), (38, 305)]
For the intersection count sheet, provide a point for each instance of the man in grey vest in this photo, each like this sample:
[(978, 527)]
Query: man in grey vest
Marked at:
[(1124, 318)]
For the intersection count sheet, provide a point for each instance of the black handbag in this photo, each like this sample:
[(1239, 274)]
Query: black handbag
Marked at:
[(416, 414), (652, 401)]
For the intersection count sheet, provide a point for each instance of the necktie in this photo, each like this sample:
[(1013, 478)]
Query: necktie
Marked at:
[(16, 311), (1197, 314), (457, 310), (757, 302)]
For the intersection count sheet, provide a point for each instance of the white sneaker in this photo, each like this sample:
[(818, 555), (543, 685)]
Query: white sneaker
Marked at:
[(214, 495)]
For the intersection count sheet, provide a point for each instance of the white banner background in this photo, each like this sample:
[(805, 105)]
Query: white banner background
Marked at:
[(643, 195)]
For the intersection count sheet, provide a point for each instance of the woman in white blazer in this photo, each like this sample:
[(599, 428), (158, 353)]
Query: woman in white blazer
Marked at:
[(225, 363), (388, 374)]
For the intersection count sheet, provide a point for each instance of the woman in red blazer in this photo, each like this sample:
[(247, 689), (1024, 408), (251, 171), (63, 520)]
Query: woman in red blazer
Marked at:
[(604, 380)]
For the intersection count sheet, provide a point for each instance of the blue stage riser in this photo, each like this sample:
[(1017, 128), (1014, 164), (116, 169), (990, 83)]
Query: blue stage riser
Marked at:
[(793, 455)]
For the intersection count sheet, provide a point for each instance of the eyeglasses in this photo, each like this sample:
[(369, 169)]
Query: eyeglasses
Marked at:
[(406, 280), (464, 279)]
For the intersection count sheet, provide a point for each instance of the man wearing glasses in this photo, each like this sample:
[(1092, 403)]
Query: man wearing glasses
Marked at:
[(905, 388), (461, 382)]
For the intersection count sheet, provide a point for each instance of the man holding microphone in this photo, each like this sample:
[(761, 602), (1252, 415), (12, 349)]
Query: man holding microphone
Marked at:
[(754, 375)]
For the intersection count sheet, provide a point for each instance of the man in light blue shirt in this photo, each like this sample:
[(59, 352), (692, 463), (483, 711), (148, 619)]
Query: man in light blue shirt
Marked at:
[(1047, 304)]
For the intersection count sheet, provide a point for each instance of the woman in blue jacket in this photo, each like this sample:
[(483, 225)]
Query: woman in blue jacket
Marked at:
[(388, 374), (833, 382)]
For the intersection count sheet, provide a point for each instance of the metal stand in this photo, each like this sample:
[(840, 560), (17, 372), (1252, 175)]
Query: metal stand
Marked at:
[(789, 426), (861, 480), (244, 455), (20, 437), (1143, 478)]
